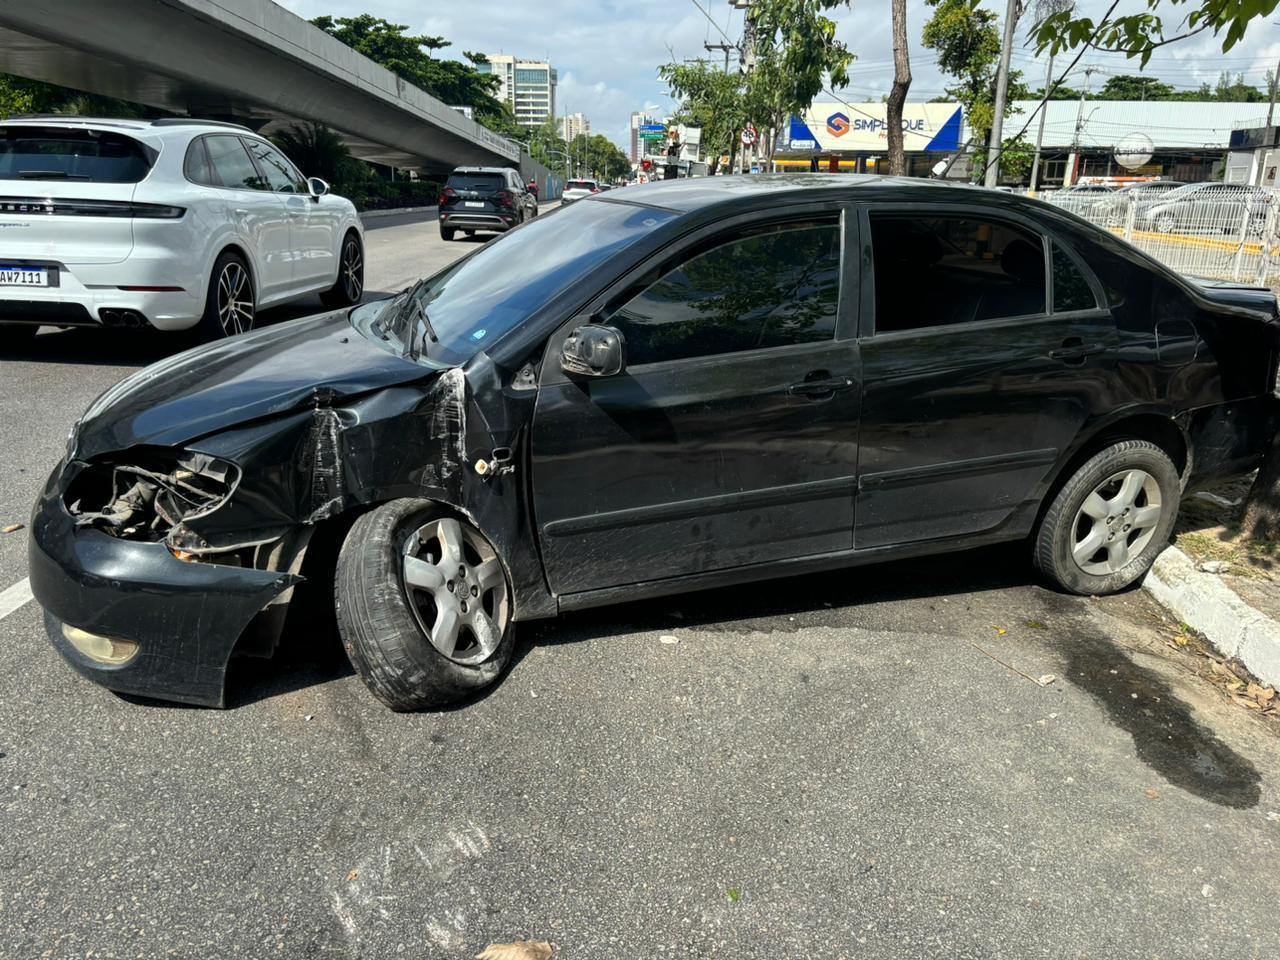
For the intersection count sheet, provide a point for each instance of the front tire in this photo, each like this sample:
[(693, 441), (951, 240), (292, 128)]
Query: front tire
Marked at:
[(423, 605), (1110, 520), (230, 306), (349, 287)]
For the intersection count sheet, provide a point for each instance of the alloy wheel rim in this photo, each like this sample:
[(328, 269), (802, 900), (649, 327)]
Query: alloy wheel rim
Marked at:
[(235, 300), (456, 589), (1116, 522), (352, 274)]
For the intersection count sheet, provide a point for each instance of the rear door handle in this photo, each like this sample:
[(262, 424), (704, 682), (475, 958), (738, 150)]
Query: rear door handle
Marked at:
[(1075, 351), (819, 389)]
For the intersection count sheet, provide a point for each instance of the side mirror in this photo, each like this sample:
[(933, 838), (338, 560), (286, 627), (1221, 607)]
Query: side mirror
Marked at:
[(593, 350), (316, 187)]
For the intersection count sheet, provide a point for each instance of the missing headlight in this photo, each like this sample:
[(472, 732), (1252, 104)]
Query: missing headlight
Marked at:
[(153, 493)]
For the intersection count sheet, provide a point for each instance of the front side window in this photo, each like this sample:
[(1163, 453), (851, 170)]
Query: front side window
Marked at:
[(231, 164), (281, 177), (935, 271), (1071, 290), (775, 287)]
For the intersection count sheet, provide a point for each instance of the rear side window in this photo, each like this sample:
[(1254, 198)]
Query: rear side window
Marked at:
[(485, 182), (196, 165), (1071, 290), (774, 288), (89, 156), (934, 271), (231, 164)]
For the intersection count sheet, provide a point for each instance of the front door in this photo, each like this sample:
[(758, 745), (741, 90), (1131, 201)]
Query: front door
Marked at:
[(989, 352), (313, 225), (730, 438)]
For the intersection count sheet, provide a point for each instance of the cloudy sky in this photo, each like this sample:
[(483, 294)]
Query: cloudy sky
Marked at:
[(607, 52)]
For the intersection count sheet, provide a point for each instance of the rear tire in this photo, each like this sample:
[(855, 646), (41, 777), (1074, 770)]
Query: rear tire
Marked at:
[(447, 234), (1110, 520), (349, 287), (230, 306), (458, 595)]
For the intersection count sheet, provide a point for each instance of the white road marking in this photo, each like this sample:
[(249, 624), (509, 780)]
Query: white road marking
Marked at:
[(14, 597)]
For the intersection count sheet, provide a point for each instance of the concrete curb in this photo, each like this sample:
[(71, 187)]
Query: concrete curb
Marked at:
[(375, 214), (1202, 601)]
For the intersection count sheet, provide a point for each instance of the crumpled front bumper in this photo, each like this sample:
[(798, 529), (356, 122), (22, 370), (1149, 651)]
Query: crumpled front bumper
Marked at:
[(185, 617)]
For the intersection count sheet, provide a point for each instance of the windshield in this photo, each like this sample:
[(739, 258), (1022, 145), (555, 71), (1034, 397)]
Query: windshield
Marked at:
[(51, 153), (473, 303)]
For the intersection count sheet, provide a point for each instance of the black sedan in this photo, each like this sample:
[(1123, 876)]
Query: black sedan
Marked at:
[(704, 382)]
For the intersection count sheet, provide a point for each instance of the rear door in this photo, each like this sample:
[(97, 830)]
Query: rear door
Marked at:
[(731, 436), (984, 351), (258, 212)]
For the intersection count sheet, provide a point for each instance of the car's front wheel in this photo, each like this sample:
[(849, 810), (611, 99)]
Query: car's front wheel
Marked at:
[(1110, 520), (423, 605), (1166, 222), (349, 286), (230, 306)]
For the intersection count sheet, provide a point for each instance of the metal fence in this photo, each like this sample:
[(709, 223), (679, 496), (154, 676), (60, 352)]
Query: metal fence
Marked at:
[(1211, 230)]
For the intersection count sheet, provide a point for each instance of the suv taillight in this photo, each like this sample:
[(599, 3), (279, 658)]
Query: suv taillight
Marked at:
[(446, 195), (506, 198)]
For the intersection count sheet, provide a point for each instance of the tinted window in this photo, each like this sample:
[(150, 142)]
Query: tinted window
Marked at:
[(196, 164), (939, 271), (580, 185), (50, 153), (772, 289), (483, 296), (231, 165), (279, 172), (1071, 291), (488, 182)]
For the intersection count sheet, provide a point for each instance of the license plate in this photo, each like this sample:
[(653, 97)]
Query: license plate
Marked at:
[(474, 203), (23, 276)]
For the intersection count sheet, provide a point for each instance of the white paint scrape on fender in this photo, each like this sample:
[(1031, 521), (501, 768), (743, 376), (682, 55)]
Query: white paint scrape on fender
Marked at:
[(1203, 602)]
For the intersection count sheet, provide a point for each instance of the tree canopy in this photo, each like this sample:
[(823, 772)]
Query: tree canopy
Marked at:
[(410, 56)]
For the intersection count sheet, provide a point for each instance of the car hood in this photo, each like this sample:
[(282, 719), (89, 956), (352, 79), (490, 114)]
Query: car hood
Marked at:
[(262, 374)]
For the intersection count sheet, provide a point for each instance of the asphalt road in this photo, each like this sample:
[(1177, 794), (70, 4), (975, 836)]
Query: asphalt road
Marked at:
[(858, 764)]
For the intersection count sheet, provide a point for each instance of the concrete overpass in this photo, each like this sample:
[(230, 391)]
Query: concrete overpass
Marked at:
[(247, 60)]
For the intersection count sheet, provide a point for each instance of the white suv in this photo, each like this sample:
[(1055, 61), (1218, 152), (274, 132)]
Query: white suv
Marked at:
[(167, 223), (577, 189)]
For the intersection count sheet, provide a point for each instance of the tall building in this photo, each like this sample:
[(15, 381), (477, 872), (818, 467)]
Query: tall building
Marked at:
[(527, 86), (573, 124), (637, 145)]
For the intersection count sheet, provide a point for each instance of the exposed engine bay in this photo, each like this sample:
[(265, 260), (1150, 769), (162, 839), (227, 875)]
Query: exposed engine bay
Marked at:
[(153, 498)]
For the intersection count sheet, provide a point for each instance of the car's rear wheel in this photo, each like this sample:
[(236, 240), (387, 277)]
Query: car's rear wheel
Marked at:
[(230, 306), (423, 605), (1166, 222), (349, 286), (447, 234), (1110, 520)]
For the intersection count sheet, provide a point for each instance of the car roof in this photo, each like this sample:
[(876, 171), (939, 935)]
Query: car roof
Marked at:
[(165, 126), (479, 170), (695, 193)]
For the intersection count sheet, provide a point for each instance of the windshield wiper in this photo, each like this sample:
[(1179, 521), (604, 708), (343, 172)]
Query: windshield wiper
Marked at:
[(411, 348), (51, 175)]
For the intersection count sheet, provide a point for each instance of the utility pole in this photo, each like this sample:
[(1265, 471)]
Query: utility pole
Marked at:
[(1012, 12), (1044, 108), (1070, 176), (747, 57), (1268, 135), (726, 47)]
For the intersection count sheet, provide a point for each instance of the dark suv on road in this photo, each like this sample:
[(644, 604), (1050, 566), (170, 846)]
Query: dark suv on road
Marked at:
[(484, 198)]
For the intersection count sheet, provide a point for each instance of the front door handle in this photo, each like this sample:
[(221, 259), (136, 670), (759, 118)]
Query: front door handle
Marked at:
[(1074, 350), (819, 389)]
